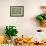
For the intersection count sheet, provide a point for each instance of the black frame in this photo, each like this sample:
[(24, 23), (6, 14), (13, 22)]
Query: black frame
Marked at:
[(15, 7)]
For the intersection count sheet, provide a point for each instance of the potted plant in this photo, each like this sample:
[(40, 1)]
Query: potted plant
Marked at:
[(10, 31), (42, 17)]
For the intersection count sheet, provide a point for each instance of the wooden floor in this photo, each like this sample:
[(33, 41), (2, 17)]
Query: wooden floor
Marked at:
[(30, 45)]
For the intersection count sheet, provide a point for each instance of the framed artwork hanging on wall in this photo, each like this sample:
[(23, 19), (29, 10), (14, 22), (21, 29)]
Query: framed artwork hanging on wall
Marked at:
[(16, 11)]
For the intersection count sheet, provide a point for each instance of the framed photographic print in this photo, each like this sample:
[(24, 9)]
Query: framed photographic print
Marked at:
[(16, 11)]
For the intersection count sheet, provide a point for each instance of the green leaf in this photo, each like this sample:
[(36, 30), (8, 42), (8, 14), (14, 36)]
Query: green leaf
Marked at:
[(45, 16), (10, 31), (40, 18)]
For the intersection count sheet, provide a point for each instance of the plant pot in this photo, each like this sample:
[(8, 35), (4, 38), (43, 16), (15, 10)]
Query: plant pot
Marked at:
[(13, 38), (9, 41), (43, 23)]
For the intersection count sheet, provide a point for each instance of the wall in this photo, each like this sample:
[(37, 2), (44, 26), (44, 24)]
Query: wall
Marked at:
[(26, 25)]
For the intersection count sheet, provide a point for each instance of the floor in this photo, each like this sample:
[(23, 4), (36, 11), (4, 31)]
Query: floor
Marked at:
[(30, 45)]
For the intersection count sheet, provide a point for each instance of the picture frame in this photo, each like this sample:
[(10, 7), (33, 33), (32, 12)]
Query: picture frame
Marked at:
[(16, 11)]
